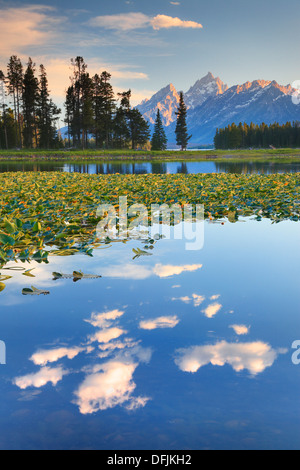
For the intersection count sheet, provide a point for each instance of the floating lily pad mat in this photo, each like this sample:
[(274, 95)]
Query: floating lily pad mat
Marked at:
[(42, 210)]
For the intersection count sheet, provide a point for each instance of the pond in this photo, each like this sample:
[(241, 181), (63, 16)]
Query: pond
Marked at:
[(243, 167), (185, 351)]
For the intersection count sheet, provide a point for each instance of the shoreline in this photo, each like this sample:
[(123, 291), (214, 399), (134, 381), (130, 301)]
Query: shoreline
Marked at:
[(278, 155)]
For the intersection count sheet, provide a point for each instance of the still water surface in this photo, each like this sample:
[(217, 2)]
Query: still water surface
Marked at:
[(178, 350), (158, 167)]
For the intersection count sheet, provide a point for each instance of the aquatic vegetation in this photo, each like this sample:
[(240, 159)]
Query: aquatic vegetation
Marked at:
[(76, 276), (55, 213), (34, 291)]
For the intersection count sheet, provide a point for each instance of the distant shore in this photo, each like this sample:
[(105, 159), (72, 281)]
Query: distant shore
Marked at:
[(289, 155)]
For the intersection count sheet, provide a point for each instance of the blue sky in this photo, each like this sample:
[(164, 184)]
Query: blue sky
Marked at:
[(148, 44)]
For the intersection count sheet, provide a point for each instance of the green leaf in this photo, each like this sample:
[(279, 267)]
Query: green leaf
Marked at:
[(6, 239)]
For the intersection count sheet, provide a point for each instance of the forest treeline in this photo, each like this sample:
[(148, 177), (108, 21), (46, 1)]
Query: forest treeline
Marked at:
[(91, 110), (31, 119), (258, 136)]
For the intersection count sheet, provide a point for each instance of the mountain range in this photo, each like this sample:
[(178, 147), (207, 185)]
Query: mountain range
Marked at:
[(211, 105)]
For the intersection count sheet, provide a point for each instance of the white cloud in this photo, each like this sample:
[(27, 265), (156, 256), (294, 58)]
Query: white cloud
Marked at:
[(255, 357), (110, 385), (212, 310), (42, 357), (107, 334), (132, 21), (198, 299), (160, 322), (240, 329), (102, 320), (170, 270), (215, 297), (41, 378), (163, 21)]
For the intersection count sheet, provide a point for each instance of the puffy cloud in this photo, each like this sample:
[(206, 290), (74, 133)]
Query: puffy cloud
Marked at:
[(102, 320), (110, 385), (240, 329), (41, 378), (131, 21), (43, 356), (170, 270), (198, 299), (107, 334), (163, 21), (160, 322), (215, 297), (212, 310), (255, 357)]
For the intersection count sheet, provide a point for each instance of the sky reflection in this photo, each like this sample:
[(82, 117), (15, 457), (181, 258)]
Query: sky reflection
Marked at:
[(196, 342)]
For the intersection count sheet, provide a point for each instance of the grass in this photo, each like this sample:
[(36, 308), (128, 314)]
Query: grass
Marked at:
[(42, 212), (286, 155)]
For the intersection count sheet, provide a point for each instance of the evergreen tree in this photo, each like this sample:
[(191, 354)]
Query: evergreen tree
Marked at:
[(109, 106), (15, 88), (70, 110), (79, 104), (181, 131), (138, 128), (159, 139), (29, 104), (258, 136), (8, 139), (47, 114)]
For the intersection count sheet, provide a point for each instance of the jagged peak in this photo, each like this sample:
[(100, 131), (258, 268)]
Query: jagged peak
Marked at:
[(262, 84)]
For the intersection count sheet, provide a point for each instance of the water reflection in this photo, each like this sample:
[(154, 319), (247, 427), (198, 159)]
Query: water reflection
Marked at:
[(255, 357), (141, 168), (161, 351)]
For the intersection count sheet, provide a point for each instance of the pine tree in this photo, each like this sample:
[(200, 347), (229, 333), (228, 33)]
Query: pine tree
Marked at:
[(159, 139), (8, 137), (29, 104), (47, 113), (15, 88), (138, 128), (109, 106), (181, 131), (70, 110)]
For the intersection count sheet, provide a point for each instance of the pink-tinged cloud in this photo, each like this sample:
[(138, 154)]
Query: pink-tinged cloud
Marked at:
[(110, 385), (25, 26), (254, 357), (44, 356), (131, 21), (160, 322), (41, 378), (163, 21)]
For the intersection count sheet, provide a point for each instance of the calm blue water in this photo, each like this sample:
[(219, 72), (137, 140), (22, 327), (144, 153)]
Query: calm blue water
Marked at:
[(159, 168), (178, 350)]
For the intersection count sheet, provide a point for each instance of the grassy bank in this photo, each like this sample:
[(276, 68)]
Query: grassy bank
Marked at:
[(44, 210), (291, 155)]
